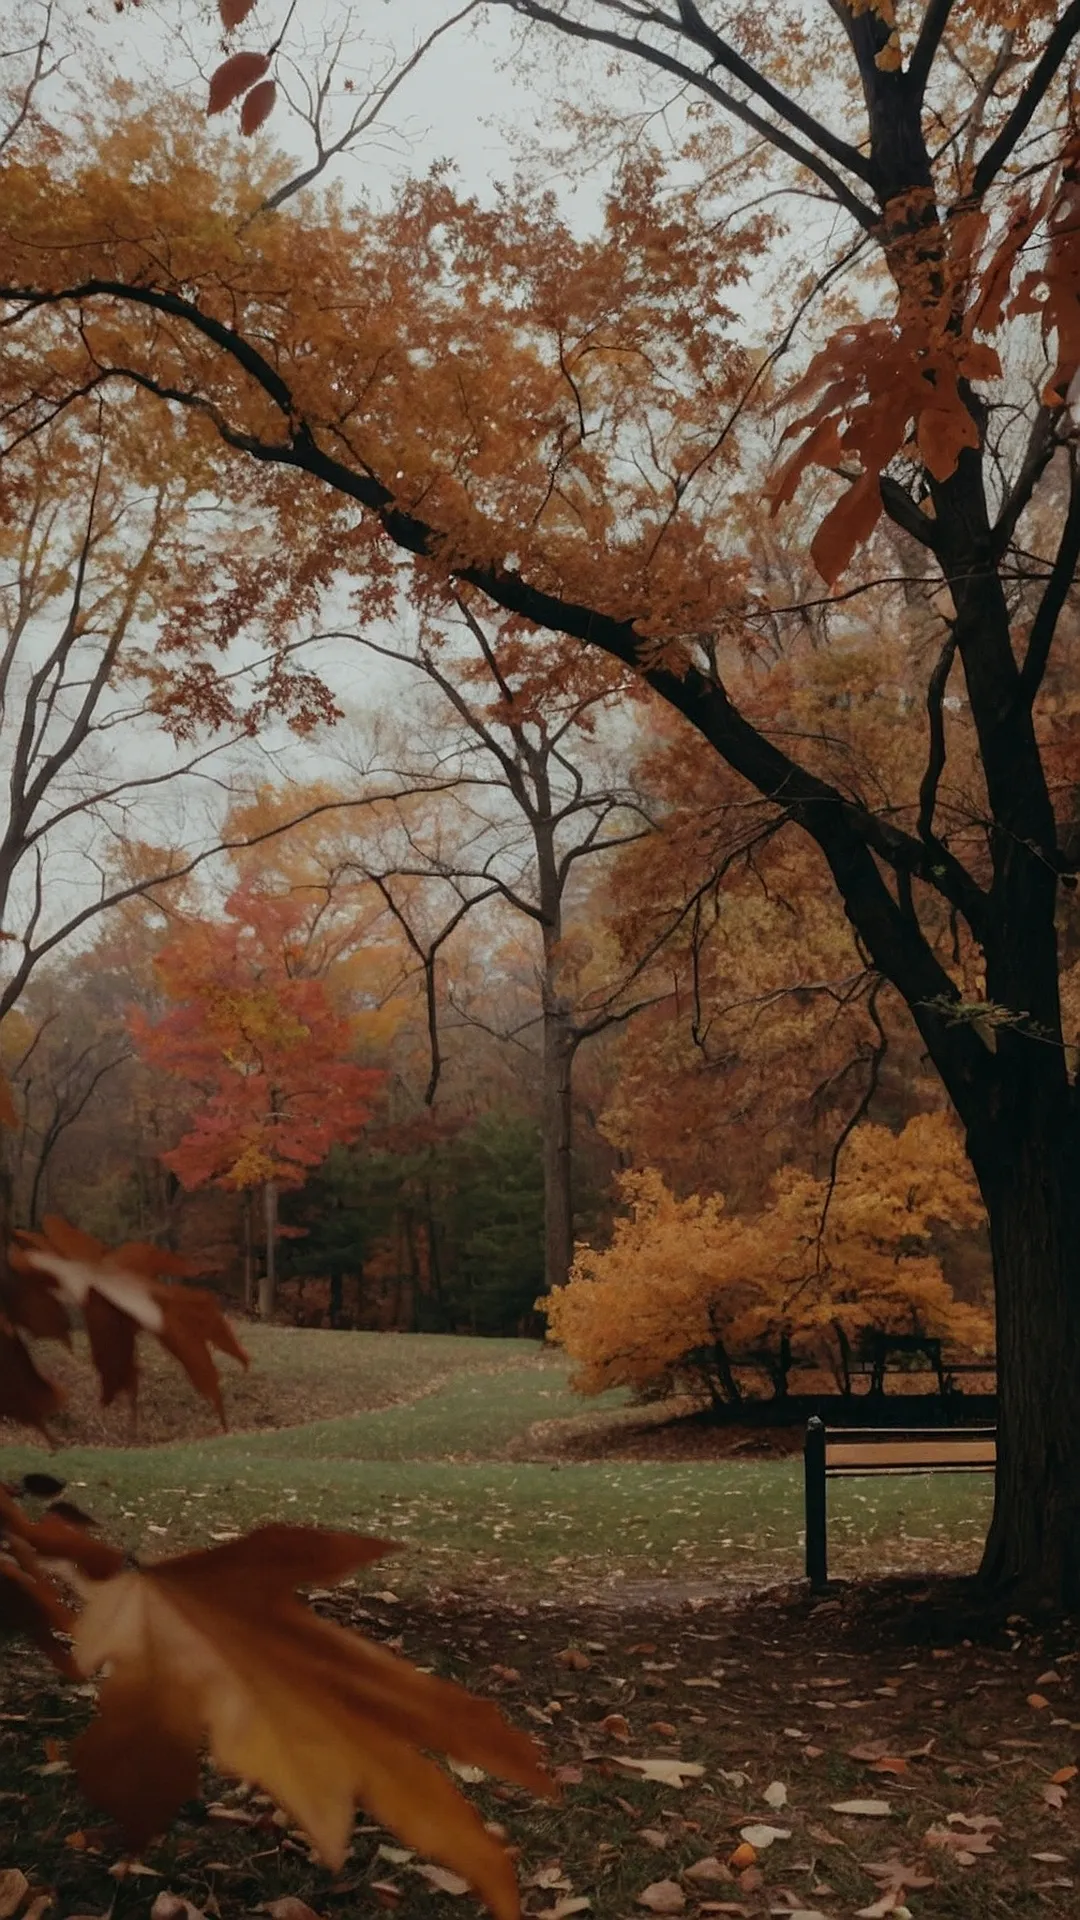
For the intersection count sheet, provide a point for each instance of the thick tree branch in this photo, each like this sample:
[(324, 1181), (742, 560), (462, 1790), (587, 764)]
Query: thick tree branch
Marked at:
[(804, 156), (935, 21), (935, 761), (1055, 593), (851, 837), (1039, 82)]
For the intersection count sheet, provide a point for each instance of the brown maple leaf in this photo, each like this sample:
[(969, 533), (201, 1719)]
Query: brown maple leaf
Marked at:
[(215, 1647), (120, 1292)]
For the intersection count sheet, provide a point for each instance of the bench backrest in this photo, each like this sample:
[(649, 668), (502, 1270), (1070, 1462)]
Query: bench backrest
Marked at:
[(909, 1450)]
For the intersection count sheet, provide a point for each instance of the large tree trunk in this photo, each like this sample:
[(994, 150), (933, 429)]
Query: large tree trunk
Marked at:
[(1029, 1178), (268, 1282), (557, 1133)]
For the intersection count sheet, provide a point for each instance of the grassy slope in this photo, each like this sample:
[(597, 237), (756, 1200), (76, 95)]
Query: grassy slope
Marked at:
[(296, 1375), (427, 1472)]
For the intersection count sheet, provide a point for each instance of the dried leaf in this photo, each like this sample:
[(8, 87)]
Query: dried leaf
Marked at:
[(120, 1292), (964, 1844), (442, 1879), (862, 1809), (171, 1906), (708, 1870), (775, 1795), (616, 1725), (846, 527), (233, 14), (235, 75), (1038, 1701), (258, 106), (759, 1836), (1054, 1796), (573, 1660), (216, 1643), (666, 1773), (1063, 1775), (573, 1903), (664, 1896), (14, 1887)]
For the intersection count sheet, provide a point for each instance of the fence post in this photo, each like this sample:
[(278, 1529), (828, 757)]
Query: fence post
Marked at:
[(817, 1571)]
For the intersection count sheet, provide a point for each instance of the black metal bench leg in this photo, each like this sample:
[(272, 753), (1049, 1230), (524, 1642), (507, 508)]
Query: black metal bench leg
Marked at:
[(817, 1558)]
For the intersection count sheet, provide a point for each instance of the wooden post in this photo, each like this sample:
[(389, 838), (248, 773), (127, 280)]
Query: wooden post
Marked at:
[(817, 1564)]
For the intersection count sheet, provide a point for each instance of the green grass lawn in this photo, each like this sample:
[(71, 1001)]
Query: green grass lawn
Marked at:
[(429, 1475)]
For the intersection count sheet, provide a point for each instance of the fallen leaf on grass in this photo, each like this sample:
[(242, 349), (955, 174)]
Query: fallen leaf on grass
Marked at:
[(576, 1903), (893, 1873), (289, 1908), (1038, 1701), (743, 1857), (1063, 1775), (966, 1837), (708, 1870), (863, 1809), (172, 1906), (760, 1837), (550, 1876), (617, 1725), (1050, 1859), (1054, 1796), (442, 1879), (568, 1776), (653, 1837), (665, 1772), (664, 1896), (775, 1795), (573, 1660), (14, 1887)]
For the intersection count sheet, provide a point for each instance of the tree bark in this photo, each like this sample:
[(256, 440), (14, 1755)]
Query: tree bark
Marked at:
[(268, 1281), (559, 1044), (1028, 1174)]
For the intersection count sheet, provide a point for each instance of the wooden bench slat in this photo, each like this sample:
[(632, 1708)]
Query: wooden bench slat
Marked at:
[(851, 1455)]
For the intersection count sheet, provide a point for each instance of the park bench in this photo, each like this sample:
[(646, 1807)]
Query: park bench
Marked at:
[(840, 1453)]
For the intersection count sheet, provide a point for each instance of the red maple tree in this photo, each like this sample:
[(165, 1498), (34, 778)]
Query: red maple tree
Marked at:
[(262, 1046)]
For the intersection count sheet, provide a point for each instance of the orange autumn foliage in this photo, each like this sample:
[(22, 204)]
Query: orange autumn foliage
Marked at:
[(686, 1287)]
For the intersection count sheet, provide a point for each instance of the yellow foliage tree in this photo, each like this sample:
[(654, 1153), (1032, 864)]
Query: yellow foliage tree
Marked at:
[(687, 1288)]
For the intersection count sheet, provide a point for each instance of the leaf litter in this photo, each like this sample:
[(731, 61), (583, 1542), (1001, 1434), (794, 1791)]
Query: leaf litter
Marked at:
[(967, 1827)]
